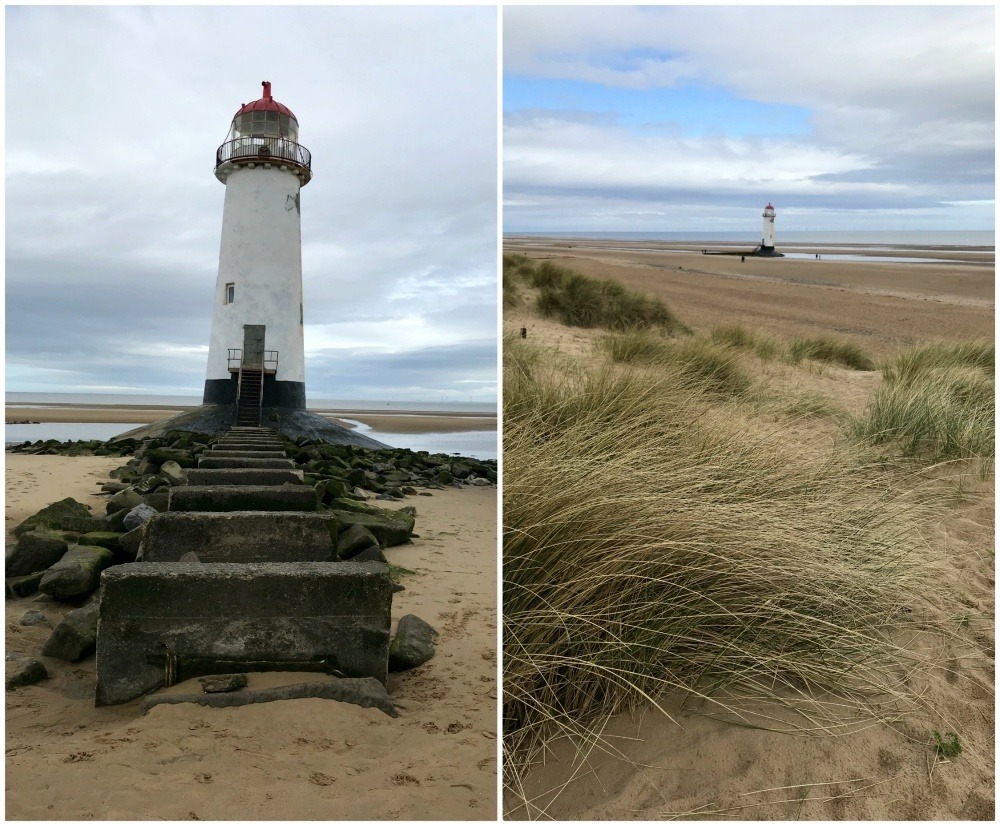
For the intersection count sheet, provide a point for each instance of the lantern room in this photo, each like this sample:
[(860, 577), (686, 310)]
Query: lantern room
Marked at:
[(264, 131)]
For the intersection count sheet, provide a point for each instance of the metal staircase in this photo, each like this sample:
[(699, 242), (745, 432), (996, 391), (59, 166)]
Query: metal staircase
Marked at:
[(249, 396)]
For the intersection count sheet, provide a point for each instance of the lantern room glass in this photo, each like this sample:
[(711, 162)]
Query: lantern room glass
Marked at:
[(265, 124)]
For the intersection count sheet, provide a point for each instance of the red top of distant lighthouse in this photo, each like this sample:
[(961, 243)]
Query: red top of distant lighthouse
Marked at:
[(769, 206), (266, 104)]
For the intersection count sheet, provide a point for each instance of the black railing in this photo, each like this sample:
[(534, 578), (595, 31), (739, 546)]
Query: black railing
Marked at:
[(264, 150)]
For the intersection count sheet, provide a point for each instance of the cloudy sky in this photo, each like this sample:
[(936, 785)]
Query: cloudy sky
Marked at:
[(692, 118), (113, 213)]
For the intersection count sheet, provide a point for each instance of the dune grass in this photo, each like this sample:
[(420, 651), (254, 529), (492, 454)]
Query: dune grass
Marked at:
[(830, 349), (763, 346), (580, 301), (712, 367), (936, 403), (654, 544)]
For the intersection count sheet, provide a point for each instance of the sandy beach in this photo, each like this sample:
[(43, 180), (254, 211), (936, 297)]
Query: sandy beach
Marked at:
[(292, 760), (648, 766), (879, 305)]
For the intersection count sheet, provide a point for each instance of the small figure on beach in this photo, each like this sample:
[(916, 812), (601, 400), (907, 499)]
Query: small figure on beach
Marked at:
[(524, 332), (743, 259)]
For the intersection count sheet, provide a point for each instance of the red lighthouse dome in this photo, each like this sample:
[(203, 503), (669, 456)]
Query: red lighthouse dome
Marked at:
[(264, 131)]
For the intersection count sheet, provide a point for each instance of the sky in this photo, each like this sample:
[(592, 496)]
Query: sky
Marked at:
[(692, 118), (114, 215)]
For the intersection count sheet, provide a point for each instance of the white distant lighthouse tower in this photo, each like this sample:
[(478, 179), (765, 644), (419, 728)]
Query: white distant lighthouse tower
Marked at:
[(767, 240), (255, 355)]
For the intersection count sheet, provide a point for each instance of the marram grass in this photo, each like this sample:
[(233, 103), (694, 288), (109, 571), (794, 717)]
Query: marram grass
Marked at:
[(654, 545), (937, 403)]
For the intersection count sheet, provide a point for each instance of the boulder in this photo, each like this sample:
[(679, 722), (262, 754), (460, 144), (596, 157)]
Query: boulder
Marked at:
[(413, 644), (138, 515), (103, 539), (23, 670), (33, 617), (78, 573), (371, 554), (51, 515), (124, 500), (354, 540), (35, 551), (161, 455), (24, 586), (76, 636), (173, 473), (158, 501), (128, 543), (387, 526)]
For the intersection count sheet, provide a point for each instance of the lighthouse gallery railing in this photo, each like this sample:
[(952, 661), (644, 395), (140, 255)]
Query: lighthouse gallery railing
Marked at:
[(264, 150)]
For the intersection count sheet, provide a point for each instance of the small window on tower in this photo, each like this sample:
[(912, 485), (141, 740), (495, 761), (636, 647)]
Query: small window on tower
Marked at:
[(230, 292)]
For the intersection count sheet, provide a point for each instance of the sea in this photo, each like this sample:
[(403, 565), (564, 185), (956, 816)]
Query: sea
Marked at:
[(477, 444)]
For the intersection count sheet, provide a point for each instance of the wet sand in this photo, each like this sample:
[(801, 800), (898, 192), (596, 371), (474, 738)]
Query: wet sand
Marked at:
[(413, 421)]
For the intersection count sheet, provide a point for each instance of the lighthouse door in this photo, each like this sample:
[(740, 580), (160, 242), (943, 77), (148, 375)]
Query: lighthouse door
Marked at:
[(253, 346)]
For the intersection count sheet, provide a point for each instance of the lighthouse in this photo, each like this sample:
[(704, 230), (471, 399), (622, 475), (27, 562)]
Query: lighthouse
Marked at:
[(256, 355), (767, 240)]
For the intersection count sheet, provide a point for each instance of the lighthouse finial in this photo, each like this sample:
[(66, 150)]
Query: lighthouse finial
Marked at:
[(267, 88)]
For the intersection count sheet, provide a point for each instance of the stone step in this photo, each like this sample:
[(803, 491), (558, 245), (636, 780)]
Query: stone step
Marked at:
[(243, 476), (246, 454), (210, 463), (257, 445), (239, 536), (164, 622), (223, 498)]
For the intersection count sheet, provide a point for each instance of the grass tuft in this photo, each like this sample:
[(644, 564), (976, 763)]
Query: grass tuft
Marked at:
[(830, 349)]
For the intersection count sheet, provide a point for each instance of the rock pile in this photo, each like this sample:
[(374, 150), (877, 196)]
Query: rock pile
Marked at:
[(264, 535)]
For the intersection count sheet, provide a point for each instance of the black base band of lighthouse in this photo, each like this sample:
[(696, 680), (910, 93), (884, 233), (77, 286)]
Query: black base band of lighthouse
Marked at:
[(287, 394)]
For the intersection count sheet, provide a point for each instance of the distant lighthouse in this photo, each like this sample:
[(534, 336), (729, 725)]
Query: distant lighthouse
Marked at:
[(256, 355), (767, 241)]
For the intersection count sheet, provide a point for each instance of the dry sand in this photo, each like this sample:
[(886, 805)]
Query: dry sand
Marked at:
[(649, 768), (300, 759)]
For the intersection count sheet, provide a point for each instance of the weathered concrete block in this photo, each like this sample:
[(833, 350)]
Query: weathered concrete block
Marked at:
[(239, 536), (213, 463), (194, 620), (389, 527), (244, 476), (242, 498), (248, 453)]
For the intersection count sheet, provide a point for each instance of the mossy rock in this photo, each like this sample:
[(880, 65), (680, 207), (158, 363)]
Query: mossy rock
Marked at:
[(387, 526), (78, 573), (35, 551), (103, 539), (51, 515)]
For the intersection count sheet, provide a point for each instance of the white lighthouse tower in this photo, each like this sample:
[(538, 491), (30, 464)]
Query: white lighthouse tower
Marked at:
[(255, 355), (767, 241)]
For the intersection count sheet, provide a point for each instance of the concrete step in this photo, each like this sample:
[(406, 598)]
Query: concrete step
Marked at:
[(235, 461), (242, 498), (243, 476), (239, 536), (257, 445), (244, 454), (169, 621)]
